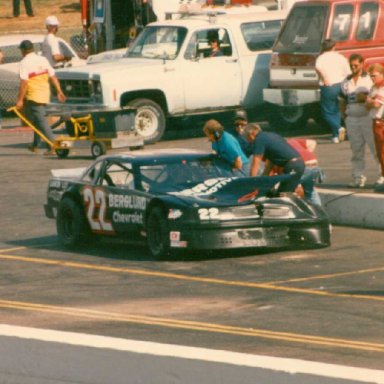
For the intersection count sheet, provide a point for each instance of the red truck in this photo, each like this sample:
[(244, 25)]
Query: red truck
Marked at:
[(357, 27)]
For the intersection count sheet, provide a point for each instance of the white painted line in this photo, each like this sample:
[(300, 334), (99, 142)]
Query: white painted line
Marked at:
[(291, 366)]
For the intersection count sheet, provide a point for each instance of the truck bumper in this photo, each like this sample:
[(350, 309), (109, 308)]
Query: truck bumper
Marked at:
[(291, 97)]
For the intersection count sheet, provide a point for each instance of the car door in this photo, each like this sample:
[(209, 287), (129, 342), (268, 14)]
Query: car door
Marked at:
[(112, 204), (211, 82)]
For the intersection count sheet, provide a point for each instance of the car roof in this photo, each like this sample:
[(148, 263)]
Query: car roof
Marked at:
[(204, 19), (157, 155), (7, 40)]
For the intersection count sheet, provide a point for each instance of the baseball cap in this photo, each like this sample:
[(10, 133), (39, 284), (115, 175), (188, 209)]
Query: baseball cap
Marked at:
[(26, 45), (240, 115), (51, 20)]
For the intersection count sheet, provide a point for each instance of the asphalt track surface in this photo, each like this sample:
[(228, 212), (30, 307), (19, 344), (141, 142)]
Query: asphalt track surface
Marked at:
[(321, 305)]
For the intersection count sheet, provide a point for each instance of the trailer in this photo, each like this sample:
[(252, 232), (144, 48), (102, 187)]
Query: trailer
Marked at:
[(97, 130)]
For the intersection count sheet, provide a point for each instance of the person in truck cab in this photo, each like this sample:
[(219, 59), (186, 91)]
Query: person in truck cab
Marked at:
[(354, 90), (214, 43), (332, 68)]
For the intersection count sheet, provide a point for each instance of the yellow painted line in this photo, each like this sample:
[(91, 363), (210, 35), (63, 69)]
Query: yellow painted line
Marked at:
[(329, 276), (7, 250), (194, 326), (167, 275)]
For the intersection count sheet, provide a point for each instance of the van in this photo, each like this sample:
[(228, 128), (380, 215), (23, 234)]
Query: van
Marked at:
[(356, 26)]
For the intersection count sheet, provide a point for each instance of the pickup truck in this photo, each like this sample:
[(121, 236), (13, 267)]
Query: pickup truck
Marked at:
[(168, 70)]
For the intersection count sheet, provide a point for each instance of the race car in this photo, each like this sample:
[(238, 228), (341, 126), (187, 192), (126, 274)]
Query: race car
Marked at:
[(179, 198)]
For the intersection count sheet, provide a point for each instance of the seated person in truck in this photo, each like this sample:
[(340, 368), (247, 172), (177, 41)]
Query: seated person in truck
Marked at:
[(214, 43)]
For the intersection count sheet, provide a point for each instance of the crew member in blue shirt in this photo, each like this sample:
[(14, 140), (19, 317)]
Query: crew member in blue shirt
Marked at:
[(226, 146), (271, 146)]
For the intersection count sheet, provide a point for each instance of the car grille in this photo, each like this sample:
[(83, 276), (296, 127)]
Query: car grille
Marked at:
[(263, 210), (78, 89)]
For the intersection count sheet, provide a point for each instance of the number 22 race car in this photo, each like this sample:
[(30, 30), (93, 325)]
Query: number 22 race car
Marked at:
[(178, 198)]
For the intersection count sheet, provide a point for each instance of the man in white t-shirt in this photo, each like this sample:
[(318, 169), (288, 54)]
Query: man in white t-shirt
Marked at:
[(51, 46), (34, 91), (332, 68)]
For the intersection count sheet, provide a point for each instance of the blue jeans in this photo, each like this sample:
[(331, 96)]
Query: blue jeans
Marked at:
[(35, 113), (310, 177), (329, 105)]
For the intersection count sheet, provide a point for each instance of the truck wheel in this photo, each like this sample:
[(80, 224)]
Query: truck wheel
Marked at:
[(70, 223), (287, 118), (158, 234), (149, 120), (98, 149)]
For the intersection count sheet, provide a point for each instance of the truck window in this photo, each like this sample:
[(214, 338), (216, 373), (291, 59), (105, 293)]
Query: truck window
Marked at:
[(303, 30), (260, 35), (367, 21), (341, 23), (199, 47), (158, 42)]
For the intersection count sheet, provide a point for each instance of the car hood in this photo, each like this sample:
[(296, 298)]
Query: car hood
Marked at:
[(110, 67), (230, 190)]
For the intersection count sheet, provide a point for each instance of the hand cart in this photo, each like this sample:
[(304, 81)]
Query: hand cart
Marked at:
[(98, 130)]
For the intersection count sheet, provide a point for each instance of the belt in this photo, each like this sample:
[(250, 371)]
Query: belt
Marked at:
[(293, 160)]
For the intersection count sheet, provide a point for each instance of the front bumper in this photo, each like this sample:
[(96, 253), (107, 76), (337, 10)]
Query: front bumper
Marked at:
[(316, 235)]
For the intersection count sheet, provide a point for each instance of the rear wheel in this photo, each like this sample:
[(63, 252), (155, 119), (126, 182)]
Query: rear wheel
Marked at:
[(158, 234), (98, 149), (282, 119), (71, 225), (149, 119)]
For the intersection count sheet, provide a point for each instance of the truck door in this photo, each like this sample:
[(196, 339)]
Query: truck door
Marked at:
[(211, 81)]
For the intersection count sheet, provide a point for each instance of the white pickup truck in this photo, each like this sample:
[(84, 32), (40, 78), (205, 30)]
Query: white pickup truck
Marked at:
[(168, 71)]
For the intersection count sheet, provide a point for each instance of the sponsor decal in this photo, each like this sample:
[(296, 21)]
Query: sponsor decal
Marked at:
[(127, 218), (126, 201), (174, 236), (206, 188)]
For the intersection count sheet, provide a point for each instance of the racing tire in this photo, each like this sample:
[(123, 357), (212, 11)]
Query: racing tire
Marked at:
[(71, 225), (149, 120), (62, 153), (158, 234), (283, 119), (98, 149)]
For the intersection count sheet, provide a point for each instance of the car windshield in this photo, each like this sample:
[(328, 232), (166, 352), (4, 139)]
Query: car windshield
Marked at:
[(158, 42), (176, 176), (303, 30)]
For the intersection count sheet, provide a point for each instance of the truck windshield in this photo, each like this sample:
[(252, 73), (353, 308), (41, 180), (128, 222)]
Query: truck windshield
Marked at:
[(158, 42), (303, 30)]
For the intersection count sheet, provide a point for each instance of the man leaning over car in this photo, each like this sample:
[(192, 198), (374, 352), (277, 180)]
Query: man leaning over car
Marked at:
[(34, 91)]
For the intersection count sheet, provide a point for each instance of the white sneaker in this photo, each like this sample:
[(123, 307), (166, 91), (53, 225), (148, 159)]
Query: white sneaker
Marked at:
[(380, 180), (342, 133), (358, 182), (335, 140)]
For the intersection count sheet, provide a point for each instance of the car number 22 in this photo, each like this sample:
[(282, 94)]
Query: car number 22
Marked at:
[(208, 213), (96, 209)]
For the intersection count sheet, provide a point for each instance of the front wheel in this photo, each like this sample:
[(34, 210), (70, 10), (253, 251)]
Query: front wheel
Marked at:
[(283, 119), (158, 234), (70, 223), (149, 119)]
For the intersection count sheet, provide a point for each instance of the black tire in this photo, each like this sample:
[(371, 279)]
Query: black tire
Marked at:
[(71, 225), (158, 234), (98, 149), (149, 120), (62, 153), (283, 119)]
